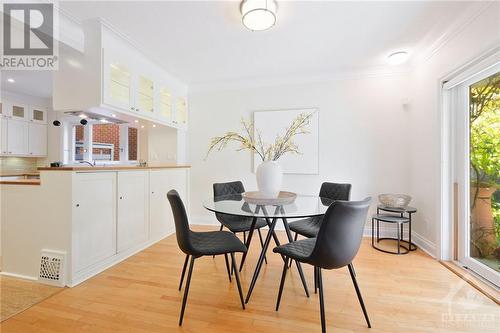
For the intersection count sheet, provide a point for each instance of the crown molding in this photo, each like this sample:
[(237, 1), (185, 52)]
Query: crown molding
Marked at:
[(453, 31), (248, 83)]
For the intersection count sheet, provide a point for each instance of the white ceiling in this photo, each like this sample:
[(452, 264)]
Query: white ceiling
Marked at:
[(33, 83), (202, 42)]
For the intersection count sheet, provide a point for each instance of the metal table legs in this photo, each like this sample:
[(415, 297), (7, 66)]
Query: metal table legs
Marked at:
[(272, 225)]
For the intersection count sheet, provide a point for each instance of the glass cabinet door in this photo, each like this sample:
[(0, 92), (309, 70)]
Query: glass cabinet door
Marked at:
[(181, 111), (19, 111), (119, 84), (38, 115), (165, 103), (145, 94)]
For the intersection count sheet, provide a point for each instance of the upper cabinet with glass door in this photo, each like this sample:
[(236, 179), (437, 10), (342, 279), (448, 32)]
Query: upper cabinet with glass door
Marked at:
[(145, 95), (164, 106), (38, 114), (117, 84), (181, 113)]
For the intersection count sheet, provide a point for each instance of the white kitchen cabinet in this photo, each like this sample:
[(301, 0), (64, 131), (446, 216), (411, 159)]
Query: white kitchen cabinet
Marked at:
[(38, 114), (133, 209), (17, 111), (94, 218), (160, 213), (37, 145), (3, 136), (117, 81), (17, 137), (181, 113), (115, 77)]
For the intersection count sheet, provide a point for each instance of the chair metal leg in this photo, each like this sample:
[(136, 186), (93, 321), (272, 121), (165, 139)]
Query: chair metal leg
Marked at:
[(297, 263), (321, 301), (236, 274), (186, 290), (221, 226), (183, 271), (315, 280), (296, 236), (244, 237), (282, 283), (262, 243), (247, 241), (358, 292), (227, 267)]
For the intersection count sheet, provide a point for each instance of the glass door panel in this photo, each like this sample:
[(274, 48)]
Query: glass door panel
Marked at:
[(146, 92), (165, 103), (484, 174), (119, 84), (181, 111)]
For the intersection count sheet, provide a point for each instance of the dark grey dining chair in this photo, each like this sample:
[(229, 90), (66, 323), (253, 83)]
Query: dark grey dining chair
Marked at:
[(309, 227), (335, 246), (198, 244), (237, 224)]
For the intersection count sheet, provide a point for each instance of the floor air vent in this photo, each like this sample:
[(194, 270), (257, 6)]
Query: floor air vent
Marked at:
[(52, 265)]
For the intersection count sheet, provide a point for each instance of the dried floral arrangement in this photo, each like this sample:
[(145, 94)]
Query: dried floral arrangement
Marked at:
[(267, 151)]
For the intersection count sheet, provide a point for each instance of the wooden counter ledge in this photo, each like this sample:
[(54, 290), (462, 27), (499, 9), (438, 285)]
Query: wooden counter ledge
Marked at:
[(112, 167)]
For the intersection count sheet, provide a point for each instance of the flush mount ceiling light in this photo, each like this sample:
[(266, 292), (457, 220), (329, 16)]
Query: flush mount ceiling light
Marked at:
[(11, 80), (258, 15), (397, 58)]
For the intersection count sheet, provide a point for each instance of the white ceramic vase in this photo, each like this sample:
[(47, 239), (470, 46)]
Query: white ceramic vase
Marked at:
[(269, 178)]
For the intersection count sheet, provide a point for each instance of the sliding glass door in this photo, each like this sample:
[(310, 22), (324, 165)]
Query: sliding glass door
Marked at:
[(477, 158)]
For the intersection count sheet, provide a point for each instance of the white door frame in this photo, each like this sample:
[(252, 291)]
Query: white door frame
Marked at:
[(455, 159)]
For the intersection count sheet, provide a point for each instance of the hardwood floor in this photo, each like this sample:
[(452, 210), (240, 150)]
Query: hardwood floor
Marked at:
[(411, 293)]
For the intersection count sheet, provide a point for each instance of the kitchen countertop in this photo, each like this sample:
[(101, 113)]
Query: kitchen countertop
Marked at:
[(112, 167), (23, 181)]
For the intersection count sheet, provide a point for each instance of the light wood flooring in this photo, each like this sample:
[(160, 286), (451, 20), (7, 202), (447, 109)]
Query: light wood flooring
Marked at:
[(411, 293)]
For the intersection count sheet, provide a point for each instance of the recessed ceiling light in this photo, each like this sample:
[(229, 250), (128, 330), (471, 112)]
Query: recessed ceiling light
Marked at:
[(142, 126), (103, 120), (397, 58), (11, 80), (82, 115), (258, 15), (113, 115), (136, 121), (154, 125)]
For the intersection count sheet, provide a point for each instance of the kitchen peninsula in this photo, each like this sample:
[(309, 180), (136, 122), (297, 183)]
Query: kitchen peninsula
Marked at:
[(85, 219)]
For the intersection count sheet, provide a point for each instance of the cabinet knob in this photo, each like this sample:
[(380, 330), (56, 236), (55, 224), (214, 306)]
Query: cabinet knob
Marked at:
[(152, 192), (77, 205), (121, 198), (132, 108)]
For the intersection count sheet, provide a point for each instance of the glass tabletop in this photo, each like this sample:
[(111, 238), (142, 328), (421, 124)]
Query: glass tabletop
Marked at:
[(303, 206)]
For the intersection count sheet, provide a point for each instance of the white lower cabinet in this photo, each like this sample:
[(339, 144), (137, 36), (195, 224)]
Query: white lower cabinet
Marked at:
[(133, 208), (117, 212), (94, 218), (160, 214)]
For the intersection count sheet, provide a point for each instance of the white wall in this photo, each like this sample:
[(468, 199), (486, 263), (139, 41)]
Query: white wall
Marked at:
[(472, 40), (363, 136)]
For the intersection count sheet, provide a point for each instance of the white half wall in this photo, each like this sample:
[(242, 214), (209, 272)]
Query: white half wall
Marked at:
[(362, 136)]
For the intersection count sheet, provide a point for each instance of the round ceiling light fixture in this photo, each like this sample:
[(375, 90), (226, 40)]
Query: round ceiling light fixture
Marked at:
[(397, 58), (259, 15)]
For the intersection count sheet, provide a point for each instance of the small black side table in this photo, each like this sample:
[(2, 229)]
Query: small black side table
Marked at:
[(400, 216)]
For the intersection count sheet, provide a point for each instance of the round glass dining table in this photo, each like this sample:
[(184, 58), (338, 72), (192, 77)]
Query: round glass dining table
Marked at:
[(304, 206)]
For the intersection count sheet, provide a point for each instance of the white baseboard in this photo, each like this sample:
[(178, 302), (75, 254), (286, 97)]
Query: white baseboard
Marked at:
[(20, 276)]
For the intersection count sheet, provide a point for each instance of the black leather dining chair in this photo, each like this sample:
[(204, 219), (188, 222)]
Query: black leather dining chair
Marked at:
[(237, 224), (309, 227), (335, 246), (198, 244)]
